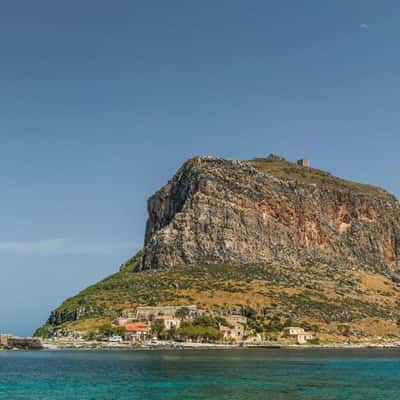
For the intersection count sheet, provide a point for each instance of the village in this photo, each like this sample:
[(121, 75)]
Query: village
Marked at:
[(162, 327), (177, 326), (186, 323)]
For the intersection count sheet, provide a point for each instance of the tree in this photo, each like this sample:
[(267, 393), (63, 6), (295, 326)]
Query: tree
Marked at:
[(91, 335), (158, 330), (119, 330), (171, 334), (197, 331), (43, 332), (249, 312), (205, 321), (106, 329), (109, 330), (182, 313)]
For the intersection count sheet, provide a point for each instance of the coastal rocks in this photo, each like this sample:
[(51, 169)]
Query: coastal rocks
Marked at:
[(231, 212)]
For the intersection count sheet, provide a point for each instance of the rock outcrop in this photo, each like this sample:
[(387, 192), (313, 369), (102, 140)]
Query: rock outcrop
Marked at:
[(233, 212)]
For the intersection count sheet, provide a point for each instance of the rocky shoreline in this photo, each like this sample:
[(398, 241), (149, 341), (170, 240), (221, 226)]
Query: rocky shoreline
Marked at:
[(68, 344), (166, 345)]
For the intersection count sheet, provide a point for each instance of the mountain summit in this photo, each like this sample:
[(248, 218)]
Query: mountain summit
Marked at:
[(233, 212)]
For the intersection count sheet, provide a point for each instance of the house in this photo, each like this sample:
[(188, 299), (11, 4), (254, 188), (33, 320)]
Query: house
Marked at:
[(168, 322), (137, 331), (301, 335), (293, 331), (235, 330), (121, 321), (303, 338)]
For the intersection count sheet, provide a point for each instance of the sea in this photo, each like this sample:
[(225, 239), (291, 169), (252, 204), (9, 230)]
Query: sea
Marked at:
[(244, 374)]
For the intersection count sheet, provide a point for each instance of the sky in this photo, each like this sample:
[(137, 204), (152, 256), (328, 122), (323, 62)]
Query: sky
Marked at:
[(101, 102)]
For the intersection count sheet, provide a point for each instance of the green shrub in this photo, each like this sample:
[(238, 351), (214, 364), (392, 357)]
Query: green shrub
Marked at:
[(197, 332), (315, 341)]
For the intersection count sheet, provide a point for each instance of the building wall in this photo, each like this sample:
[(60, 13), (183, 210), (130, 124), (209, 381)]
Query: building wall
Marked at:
[(145, 312), (4, 340), (294, 330), (301, 339), (121, 321), (134, 336), (169, 323), (235, 332), (26, 343)]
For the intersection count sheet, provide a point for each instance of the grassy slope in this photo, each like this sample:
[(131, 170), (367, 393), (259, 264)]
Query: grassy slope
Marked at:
[(332, 299), (337, 301), (288, 171)]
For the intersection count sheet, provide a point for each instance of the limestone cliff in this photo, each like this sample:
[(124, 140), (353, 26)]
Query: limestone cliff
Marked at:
[(232, 212)]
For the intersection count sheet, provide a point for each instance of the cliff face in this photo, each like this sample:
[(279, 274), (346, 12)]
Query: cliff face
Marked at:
[(232, 212)]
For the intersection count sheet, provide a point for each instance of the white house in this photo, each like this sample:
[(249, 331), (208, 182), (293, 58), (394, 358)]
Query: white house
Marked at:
[(301, 335)]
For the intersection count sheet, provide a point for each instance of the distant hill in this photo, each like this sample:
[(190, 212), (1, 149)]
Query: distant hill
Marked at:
[(266, 237)]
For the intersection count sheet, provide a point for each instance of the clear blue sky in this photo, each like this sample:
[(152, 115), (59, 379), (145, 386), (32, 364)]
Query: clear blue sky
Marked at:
[(100, 102)]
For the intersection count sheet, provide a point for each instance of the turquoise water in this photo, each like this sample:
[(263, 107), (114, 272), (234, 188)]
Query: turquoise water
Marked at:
[(219, 374)]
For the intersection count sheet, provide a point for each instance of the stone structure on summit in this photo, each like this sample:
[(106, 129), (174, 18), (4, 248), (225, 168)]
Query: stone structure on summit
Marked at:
[(304, 162)]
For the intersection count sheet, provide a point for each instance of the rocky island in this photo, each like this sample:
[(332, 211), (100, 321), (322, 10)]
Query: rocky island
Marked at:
[(283, 245)]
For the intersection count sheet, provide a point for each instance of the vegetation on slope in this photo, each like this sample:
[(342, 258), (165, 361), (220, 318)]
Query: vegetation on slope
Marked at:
[(334, 300)]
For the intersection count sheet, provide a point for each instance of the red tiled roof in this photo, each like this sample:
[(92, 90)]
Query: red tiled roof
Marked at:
[(136, 327)]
